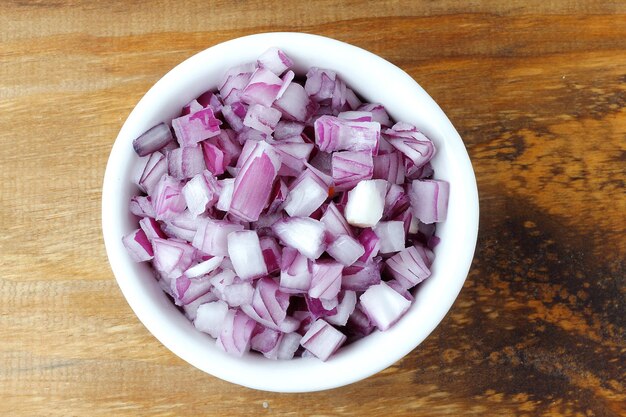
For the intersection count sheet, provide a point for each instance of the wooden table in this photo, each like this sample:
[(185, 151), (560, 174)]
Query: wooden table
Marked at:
[(537, 89)]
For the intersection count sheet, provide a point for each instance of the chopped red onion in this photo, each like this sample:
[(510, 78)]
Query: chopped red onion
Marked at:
[(244, 251), (334, 134), (154, 168), (241, 207), (200, 193), (153, 139), (168, 199), (344, 309), (356, 116), (261, 118), (226, 193), (303, 234), (320, 84), (195, 127), (306, 195), (326, 280), (191, 309), (391, 236), (411, 142), (408, 267), (296, 272), (212, 236), (383, 305), (151, 228), (360, 276), (138, 246), (322, 339), (366, 202), (349, 168), (288, 346), (210, 317), (271, 253), (346, 250), (262, 88), (390, 167), (253, 183), (275, 60), (294, 104), (142, 206), (236, 333), (378, 112), (184, 163), (371, 244), (429, 200), (204, 267)]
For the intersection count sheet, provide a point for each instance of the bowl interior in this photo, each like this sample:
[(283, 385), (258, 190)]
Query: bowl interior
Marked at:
[(376, 80)]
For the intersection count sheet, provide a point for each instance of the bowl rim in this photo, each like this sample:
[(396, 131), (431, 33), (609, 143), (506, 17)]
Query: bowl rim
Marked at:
[(303, 374)]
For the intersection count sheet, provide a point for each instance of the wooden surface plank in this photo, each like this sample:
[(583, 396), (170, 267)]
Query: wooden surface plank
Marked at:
[(536, 89)]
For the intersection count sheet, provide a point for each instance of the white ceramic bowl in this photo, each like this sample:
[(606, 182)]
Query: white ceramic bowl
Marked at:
[(377, 81)]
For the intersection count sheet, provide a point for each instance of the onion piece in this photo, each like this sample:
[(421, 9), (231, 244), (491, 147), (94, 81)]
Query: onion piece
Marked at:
[(390, 167), (409, 267), (356, 116), (378, 112), (151, 228), (303, 234), (371, 243), (226, 193), (326, 280), (236, 333), (411, 142), (349, 168), (269, 304), (212, 236), (172, 257), (138, 246), (295, 273), (360, 276), (346, 250), (204, 268), (244, 250), (210, 317), (391, 236), (320, 84), (429, 200), (168, 199), (142, 206), (184, 163), (289, 344), (383, 305), (191, 309), (262, 88), (306, 195), (345, 308), (336, 224), (261, 118), (254, 181), (295, 104), (187, 290), (322, 339), (153, 139), (265, 341), (366, 202), (333, 134), (274, 60), (200, 193), (271, 254), (195, 127)]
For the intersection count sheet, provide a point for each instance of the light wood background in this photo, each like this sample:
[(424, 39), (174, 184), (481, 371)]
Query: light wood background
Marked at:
[(537, 89)]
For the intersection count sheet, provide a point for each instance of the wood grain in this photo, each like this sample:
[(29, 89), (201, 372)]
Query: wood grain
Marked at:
[(538, 92)]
